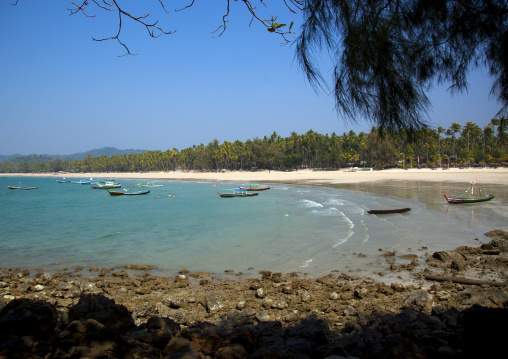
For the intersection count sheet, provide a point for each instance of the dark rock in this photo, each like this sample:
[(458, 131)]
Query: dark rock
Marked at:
[(205, 337), (181, 348), (24, 317), (91, 339), (157, 332), (313, 329), (104, 310), (233, 351)]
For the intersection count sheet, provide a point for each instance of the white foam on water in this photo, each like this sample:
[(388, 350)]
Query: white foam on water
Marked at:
[(309, 203), (331, 212), (306, 263), (334, 202)]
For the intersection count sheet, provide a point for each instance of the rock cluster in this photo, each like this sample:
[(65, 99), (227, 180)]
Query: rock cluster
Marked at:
[(192, 315)]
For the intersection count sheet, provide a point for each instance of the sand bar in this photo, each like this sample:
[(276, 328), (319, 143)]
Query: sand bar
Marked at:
[(484, 175)]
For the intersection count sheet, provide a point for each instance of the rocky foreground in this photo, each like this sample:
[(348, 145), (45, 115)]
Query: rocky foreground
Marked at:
[(459, 310)]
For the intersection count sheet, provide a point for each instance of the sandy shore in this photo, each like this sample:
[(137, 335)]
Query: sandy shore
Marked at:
[(484, 176)]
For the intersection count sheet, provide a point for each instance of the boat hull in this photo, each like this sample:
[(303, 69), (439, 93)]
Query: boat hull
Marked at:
[(462, 200), (106, 186), (388, 211), (255, 188), (21, 187), (122, 193), (232, 195)]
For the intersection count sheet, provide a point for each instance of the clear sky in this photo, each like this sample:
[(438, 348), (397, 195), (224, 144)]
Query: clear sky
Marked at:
[(62, 93)]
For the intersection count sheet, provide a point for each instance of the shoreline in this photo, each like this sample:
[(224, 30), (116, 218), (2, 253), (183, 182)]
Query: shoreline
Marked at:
[(322, 317), (497, 176), (376, 181)]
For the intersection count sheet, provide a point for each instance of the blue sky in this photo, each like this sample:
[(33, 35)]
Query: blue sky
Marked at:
[(62, 93)]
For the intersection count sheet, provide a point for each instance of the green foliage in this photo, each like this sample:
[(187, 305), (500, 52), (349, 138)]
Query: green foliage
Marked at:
[(469, 143), (389, 53)]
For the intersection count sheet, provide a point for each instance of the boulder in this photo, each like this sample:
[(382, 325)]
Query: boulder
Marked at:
[(103, 310), (418, 300), (25, 317)]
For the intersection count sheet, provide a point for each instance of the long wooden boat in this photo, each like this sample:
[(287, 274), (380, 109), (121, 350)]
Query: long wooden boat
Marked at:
[(464, 199), (127, 192), (63, 180), (82, 182), (149, 184), (105, 185), (469, 196), (238, 193), (387, 211), (21, 186), (255, 187)]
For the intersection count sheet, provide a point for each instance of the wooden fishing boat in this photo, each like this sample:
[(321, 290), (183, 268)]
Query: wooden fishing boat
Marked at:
[(82, 182), (255, 187), (387, 211), (105, 185), (465, 199), (469, 195), (21, 186), (127, 192), (149, 184), (63, 180), (238, 192)]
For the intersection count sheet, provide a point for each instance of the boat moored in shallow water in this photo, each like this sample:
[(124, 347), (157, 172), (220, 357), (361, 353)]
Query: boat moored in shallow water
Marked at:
[(21, 186), (255, 187), (468, 199), (237, 192), (469, 195), (127, 192), (149, 184), (105, 185)]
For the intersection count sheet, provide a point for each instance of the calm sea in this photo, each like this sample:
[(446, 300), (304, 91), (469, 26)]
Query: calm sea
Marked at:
[(309, 229)]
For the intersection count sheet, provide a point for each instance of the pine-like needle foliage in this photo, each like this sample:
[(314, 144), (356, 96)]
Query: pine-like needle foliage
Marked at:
[(389, 53)]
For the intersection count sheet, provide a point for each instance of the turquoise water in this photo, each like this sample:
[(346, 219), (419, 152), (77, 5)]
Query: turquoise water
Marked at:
[(287, 228)]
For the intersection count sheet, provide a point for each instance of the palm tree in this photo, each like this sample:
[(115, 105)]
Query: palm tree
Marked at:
[(502, 127), (455, 128), (440, 130)]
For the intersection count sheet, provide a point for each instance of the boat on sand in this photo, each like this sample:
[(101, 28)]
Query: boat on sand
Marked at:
[(388, 211)]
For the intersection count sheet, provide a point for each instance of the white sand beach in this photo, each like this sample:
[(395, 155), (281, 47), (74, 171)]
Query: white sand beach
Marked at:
[(484, 175)]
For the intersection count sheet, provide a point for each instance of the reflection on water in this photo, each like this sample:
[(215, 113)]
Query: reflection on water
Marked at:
[(485, 214)]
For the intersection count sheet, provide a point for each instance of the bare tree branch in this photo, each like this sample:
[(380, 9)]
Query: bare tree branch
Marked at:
[(86, 8), (153, 29)]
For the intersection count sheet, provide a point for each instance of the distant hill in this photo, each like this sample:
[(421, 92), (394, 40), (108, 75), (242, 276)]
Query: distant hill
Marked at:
[(105, 151)]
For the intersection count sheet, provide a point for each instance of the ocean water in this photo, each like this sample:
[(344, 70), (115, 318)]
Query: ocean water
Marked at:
[(306, 229)]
